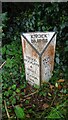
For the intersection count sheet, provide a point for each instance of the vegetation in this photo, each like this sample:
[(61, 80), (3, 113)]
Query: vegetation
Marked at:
[(21, 100)]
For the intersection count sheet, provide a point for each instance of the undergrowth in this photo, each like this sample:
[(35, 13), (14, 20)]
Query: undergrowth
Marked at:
[(15, 88), (20, 100)]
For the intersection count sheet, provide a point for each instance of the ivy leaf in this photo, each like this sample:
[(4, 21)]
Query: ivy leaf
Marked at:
[(14, 87), (18, 90), (3, 50), (66, 49), (62, 26), (57, 60), (67, 42), (14, 101), (19, 112), (9, 63), (36, 86)]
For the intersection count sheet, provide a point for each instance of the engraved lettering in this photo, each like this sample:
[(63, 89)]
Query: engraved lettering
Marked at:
[(47, 66), (38, 37)]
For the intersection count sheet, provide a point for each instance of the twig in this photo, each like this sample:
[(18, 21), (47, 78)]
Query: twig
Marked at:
[(30, 94), (2, 65), (65, 95), (53, 100), (49, 107), (6, 109)]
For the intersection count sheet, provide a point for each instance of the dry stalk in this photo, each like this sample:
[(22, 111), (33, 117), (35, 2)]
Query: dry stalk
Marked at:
[(53, 100), (30, 94), (6, 109), (2, 65)]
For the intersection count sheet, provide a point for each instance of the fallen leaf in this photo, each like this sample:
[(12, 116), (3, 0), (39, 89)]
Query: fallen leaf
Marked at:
[(28, 116), (49, 94), (20, 105), (11, 73), (59, 87), (24, 90), (56, 85), (61, 80), (28, 98), (45, 105), (51, 87)]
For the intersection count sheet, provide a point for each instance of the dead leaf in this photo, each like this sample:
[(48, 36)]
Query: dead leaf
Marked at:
[(49, 94), (11, 73), (45, 105), (51, 87), (56, 85), (28, 98), (61, 80), (28, 116), (24, 90), (20, 105), (59, 87)]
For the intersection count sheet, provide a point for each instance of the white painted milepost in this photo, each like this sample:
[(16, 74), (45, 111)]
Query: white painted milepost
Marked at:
[(38, 52)]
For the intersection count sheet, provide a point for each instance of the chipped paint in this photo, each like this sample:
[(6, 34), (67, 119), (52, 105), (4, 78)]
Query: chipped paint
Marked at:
[(38, 53), (47, 61)]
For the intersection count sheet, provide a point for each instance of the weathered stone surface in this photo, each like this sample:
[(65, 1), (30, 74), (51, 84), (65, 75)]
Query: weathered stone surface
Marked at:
[(38, 52)]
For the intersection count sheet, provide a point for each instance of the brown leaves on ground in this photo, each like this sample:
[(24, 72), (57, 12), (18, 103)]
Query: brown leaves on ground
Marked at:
[(59, 87), (45, 105), (51, 86), (39, 102), (25, 91), (61, 80), (28, 116)]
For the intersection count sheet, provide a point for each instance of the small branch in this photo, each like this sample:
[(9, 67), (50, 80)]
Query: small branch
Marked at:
[(65, 95), (30, 94), (53, 100), (2, 65), (6, 109)]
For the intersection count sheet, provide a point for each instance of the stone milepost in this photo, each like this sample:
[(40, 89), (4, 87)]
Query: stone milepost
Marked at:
[(32, 70), (38, 52)]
